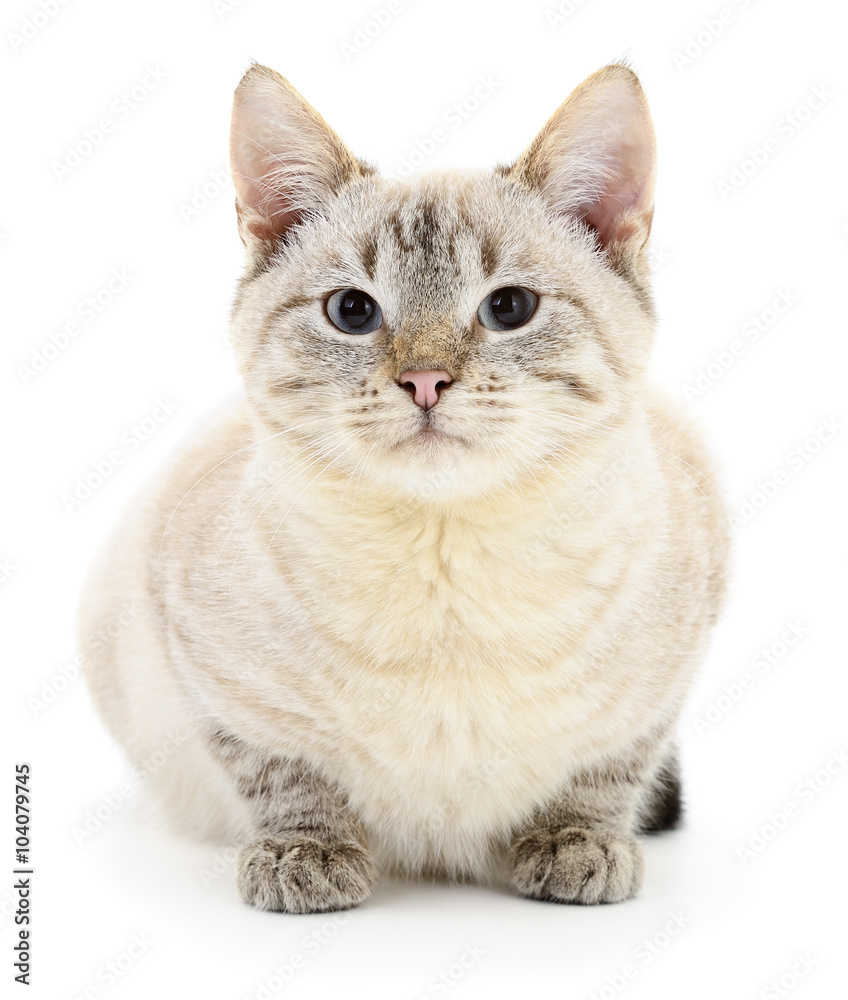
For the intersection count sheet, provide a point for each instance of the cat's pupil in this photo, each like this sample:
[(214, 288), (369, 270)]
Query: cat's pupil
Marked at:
[(505, 305), (356, 308), (507, 308), (354, 311)]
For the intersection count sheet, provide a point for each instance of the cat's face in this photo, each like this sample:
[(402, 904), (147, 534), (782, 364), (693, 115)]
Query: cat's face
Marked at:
[(441, 336)]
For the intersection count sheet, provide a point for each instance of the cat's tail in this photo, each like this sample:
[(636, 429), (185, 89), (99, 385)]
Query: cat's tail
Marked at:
[(662, 806)]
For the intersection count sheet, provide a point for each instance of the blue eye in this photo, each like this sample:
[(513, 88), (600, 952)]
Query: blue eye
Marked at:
[(353, 311), (507, 308)]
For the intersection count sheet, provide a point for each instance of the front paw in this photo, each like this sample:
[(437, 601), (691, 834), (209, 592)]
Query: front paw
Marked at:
[(576, 865), (304, 874)]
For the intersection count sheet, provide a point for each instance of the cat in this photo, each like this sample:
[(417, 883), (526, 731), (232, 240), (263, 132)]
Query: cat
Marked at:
[(427, 597)]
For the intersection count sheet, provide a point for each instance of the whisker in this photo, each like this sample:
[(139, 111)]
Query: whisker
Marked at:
[(228, 458), (281, 481), (578, 494), (277, 480), (353, 475), (663, 454), (291, 506)]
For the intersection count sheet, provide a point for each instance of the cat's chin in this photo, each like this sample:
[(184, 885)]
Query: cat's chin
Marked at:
[(439, 467)]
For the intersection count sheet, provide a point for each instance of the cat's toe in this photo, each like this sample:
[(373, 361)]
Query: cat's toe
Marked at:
[(304, 875), (576, 865)]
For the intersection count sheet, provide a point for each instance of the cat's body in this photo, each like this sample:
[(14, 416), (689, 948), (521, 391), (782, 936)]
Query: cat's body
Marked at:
[(452, 638)]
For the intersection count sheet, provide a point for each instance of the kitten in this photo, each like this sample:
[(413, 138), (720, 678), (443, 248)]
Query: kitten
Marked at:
[(427, 600)]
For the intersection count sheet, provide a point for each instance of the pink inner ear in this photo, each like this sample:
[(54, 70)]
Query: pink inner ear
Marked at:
[(595, 158), (626, 199), (265, 212), (613, 219), (264, 188), (270, 229), (284, 158)]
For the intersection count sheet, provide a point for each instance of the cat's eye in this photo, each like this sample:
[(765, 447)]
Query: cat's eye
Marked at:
[(507, 308), (354, 311)]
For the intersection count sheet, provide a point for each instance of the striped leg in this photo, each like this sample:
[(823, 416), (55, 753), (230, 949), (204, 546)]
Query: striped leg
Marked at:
[(582, 848), (308, 854)]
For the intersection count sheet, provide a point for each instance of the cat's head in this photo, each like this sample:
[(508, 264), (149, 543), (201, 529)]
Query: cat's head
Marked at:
[(444, 335)]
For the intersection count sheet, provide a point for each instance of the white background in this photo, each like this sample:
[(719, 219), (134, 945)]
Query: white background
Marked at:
[(724, 254)]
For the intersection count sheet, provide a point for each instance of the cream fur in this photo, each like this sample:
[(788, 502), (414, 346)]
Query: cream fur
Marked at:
[(449, 630)]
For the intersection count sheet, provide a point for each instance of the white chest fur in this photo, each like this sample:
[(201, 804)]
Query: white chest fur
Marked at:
[(445, 670)]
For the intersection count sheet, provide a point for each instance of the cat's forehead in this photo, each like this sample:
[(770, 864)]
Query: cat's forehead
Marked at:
[(443, 226), (436, 245)]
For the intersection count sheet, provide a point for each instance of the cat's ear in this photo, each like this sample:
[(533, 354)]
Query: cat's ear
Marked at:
[(286, 161), (595, 159)]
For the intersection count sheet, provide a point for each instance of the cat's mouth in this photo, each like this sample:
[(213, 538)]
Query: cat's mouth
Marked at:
[(429, 430), (430, 436)]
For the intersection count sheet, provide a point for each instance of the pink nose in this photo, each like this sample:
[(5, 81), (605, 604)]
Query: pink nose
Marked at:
[(425, 386)]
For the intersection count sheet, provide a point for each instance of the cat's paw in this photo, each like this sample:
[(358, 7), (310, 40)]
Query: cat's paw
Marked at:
[(304, 875), (576, 865)]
